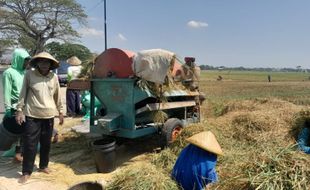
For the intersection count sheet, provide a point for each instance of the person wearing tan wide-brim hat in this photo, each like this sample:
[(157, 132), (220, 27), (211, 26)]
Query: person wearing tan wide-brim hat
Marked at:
[(74, 60), (39, 102), (195, 166), (73, 96), (44, 55)]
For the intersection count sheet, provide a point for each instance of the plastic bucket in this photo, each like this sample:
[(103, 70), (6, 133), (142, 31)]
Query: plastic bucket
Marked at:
[(7, 138), (87, 186), (104, 154)]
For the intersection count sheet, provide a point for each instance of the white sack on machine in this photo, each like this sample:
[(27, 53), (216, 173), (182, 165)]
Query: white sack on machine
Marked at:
[(153, 65)]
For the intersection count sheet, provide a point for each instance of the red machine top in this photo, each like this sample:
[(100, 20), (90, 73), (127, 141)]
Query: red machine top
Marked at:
[(117, 63), (114, 63)]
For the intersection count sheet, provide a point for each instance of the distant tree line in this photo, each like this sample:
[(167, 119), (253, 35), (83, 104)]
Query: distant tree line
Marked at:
[(297, 69), (60, 51)]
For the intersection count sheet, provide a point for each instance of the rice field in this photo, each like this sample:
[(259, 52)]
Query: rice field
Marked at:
[(293, 87), (255, 121), (254, 76)]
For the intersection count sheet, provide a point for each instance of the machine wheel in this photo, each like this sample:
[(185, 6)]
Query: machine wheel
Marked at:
[(171, 130)]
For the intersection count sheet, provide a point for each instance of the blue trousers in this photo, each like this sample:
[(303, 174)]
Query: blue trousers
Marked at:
[(73, 101)]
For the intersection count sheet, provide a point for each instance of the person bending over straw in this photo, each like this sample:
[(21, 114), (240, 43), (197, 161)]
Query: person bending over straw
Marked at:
[(195, 166)]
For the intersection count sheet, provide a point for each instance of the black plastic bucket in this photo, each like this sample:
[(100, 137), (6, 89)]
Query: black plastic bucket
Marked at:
[(87, 186), (7, 138), (104, 154)]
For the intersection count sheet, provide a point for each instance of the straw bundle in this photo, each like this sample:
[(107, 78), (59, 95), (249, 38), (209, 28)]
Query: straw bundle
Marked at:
[(158, 90), (87, 69), (299, 121), (279, 168), (159, 116), (63, 174), (165, 159), (187, 132), (246, 127), (260, 152), (141, 176)]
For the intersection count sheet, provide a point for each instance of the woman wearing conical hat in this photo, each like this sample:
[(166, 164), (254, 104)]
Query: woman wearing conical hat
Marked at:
[(40, 102), (195, 166)]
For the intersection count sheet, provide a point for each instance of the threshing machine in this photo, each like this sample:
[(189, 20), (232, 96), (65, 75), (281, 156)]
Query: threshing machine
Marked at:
[(128, 110)]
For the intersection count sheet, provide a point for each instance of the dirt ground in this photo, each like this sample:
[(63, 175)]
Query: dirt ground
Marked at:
[(72, 167), (71, 161), (11, 171)]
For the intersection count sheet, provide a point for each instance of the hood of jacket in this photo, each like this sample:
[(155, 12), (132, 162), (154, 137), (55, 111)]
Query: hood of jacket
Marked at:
[(18, 58)]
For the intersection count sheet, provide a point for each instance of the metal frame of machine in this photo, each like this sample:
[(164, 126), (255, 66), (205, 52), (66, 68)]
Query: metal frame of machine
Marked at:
[(128, 109)]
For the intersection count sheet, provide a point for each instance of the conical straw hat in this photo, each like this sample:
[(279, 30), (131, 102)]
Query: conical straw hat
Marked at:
[(74, 61), (45, 55), (207, 141)]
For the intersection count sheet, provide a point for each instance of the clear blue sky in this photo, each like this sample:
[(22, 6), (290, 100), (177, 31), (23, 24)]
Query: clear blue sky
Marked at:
[(256, 33)]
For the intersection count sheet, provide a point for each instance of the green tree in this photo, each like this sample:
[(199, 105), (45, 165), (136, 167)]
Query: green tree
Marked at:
[(4, 44), (66, 50), (32, 23)]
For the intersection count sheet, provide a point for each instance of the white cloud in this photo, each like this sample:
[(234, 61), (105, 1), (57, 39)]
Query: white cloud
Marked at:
[(91, 32), (121, 37), (196, 24)]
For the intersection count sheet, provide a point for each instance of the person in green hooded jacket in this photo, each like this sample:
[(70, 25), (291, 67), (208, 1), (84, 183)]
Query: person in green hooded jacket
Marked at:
[(12, 83)]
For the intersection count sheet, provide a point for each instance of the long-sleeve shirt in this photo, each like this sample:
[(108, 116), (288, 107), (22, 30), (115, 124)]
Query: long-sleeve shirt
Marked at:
[(195, 168), (73, 72), (12, 84), (40, 95), (13, 79)]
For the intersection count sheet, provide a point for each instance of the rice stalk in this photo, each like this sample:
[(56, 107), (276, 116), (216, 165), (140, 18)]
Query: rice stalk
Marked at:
[(141, 176), (159, 116), (165, 160), (281, 169)]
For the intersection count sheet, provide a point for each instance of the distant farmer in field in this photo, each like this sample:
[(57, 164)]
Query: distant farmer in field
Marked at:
[(40, 101), (269, 78), (219, 78), (73, 96), (195, 166), (12, 84)]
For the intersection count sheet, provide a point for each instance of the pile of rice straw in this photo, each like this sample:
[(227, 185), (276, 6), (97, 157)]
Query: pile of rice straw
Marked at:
[(259, 146)]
